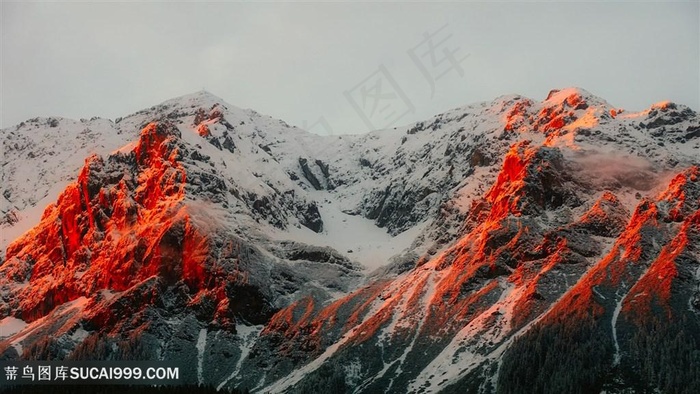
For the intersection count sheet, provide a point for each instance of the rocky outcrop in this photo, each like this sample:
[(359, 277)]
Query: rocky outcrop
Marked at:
[(128, 248)]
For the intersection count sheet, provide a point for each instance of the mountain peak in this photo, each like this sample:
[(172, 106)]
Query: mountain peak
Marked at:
[(202, 98), (573, 97)]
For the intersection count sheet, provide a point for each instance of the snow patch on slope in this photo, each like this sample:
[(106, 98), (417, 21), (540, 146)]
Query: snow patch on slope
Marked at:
[(201, 345), (10, 326), (248, 335), (352, 235)]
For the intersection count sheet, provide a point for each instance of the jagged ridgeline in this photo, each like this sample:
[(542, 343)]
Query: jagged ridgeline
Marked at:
[(503, 247)]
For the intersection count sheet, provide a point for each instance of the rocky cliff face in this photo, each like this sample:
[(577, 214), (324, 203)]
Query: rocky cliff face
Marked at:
[(546, 246), (132, 253)]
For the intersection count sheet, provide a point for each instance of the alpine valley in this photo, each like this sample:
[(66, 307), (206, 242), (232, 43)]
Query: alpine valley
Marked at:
[(502, 247)]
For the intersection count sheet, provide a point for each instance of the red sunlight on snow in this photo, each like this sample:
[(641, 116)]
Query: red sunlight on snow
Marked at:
[(450, 304), (460, 283), (656, 286), (203, 130), (112, 236), (661, 105), (515, 118), (503, 194), (304, 323), (676, 193)]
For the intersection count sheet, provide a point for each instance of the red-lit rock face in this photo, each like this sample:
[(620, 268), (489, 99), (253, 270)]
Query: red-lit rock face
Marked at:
[(131, 245), (607, 217), (503, 195), (441, 297), (670, 271), (518, 118), (511, 270), (120, 223), (123, 222)]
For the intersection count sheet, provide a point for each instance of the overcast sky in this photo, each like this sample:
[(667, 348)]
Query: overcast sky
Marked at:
[(326, 66)]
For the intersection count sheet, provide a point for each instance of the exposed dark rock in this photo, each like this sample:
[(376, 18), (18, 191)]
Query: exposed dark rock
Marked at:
[(308, 174), (311, 218), (228, 144), (478, 159)]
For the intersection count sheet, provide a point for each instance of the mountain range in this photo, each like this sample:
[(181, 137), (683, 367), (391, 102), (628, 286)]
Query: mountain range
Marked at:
[(502, 247)]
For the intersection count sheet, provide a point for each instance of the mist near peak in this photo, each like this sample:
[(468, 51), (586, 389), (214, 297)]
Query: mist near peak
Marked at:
[(614, 171)]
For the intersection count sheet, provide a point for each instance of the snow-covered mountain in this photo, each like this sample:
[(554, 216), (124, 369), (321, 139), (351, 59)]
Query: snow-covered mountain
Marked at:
[(505, 246)]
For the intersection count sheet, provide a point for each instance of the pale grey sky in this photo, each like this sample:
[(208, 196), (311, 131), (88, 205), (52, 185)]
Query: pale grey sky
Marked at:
[(302, 62)]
